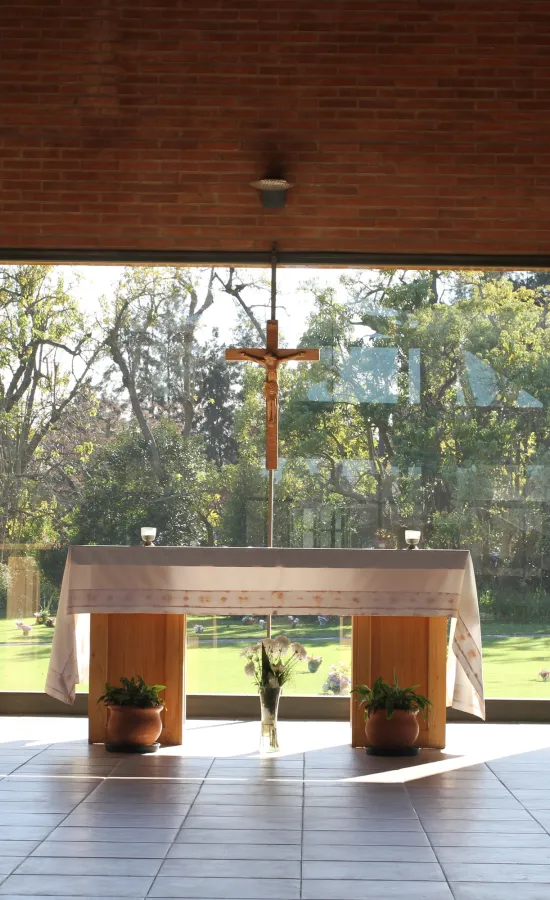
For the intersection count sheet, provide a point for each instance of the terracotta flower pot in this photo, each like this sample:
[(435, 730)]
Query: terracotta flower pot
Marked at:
[(397, 734), (129, 726)]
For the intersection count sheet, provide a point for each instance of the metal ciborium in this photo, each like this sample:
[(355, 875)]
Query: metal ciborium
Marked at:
[(148, 535), (412, 538)]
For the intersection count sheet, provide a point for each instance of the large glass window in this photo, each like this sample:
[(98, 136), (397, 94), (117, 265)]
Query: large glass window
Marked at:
[(429, 407)]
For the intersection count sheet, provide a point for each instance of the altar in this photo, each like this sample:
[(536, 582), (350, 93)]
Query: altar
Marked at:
[(122, 611)]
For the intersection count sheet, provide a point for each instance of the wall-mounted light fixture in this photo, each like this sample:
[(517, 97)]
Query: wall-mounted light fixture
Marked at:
[(272, 191)]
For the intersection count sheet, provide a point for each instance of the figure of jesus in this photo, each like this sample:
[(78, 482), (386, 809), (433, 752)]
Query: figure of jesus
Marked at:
[(271, 358)]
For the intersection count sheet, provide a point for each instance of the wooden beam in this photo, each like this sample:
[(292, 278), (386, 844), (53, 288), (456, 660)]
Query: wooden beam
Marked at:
[(150, 645), (415, 649)]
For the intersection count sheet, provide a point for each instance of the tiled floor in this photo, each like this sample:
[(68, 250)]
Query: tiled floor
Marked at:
[(212, 821)]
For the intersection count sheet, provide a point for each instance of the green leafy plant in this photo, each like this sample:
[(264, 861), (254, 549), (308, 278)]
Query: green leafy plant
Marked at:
[(135, 692), (383, 695)]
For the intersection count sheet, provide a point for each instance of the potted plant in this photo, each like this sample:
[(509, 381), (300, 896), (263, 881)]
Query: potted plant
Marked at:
[(391, 712), (134, 710)]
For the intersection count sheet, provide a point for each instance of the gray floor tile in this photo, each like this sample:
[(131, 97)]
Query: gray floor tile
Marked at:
[(382, 810), (373, 823), (90, 833), (507, 873), (13, 761), (361, 837), (372, 871), (285, 801), (476, 815), (465, 839), (290, 780), (232, 868), (17, 848), (542, 816), (24, 785), (528, 796), (28, 771), (265, 766), (9, 863), (376, 890), (497, 855), (59, 807), (536, 805), (151, 794), (173, 766), (525, 783), (85, 817), (253, 777), (239, 822), (370, 853), (356, 789), (453, 791), (239, 851), (277, 814), (120, 866), (225, 888), (482, 781), (357, 801), (500, 891), (433, 804), (510, 826), (220, 788), (165, 772), (128, 807), (41, 794), (76, 885), (23, 754), (228, 835), (24, 833), (335, 776), (46, 820), (102, 849)]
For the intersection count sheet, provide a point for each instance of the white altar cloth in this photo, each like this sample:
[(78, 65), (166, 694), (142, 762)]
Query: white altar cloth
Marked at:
[(229, 581)]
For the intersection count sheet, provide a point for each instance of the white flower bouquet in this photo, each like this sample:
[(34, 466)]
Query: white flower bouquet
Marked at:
[(271, 662), (338, 679)]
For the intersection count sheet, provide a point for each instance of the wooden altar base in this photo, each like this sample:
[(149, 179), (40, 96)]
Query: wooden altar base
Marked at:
[(416, 649), (151, 645)]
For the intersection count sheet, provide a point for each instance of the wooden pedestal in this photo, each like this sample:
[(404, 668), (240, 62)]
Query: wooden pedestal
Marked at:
[(416, 648), (149, 645)]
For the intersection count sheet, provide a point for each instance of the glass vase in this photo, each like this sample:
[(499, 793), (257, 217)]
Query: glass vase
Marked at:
[(269, 702)]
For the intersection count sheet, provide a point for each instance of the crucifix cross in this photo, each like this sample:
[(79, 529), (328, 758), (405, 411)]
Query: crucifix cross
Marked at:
[(271, 358)]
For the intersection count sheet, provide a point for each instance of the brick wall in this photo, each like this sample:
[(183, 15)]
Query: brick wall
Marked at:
[(407, 125)]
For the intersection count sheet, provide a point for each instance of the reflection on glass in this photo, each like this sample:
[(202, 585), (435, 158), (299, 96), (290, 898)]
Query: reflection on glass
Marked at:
[(328, 642), (427, 409), (214, 664), (28, 607)]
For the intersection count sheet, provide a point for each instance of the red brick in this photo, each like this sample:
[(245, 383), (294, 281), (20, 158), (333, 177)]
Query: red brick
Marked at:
[(406, 126)]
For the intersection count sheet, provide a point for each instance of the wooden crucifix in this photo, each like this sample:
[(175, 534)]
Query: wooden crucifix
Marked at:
[(271, 358)]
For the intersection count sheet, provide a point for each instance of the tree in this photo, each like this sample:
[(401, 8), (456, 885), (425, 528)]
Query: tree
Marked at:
[(428, 406), (215, 404), (47, 354), (121, 492)]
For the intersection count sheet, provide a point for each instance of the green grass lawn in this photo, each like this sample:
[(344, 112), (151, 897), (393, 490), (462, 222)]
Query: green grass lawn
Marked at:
[(511, 666), (220, 670), (24, 660), (511, 663)]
